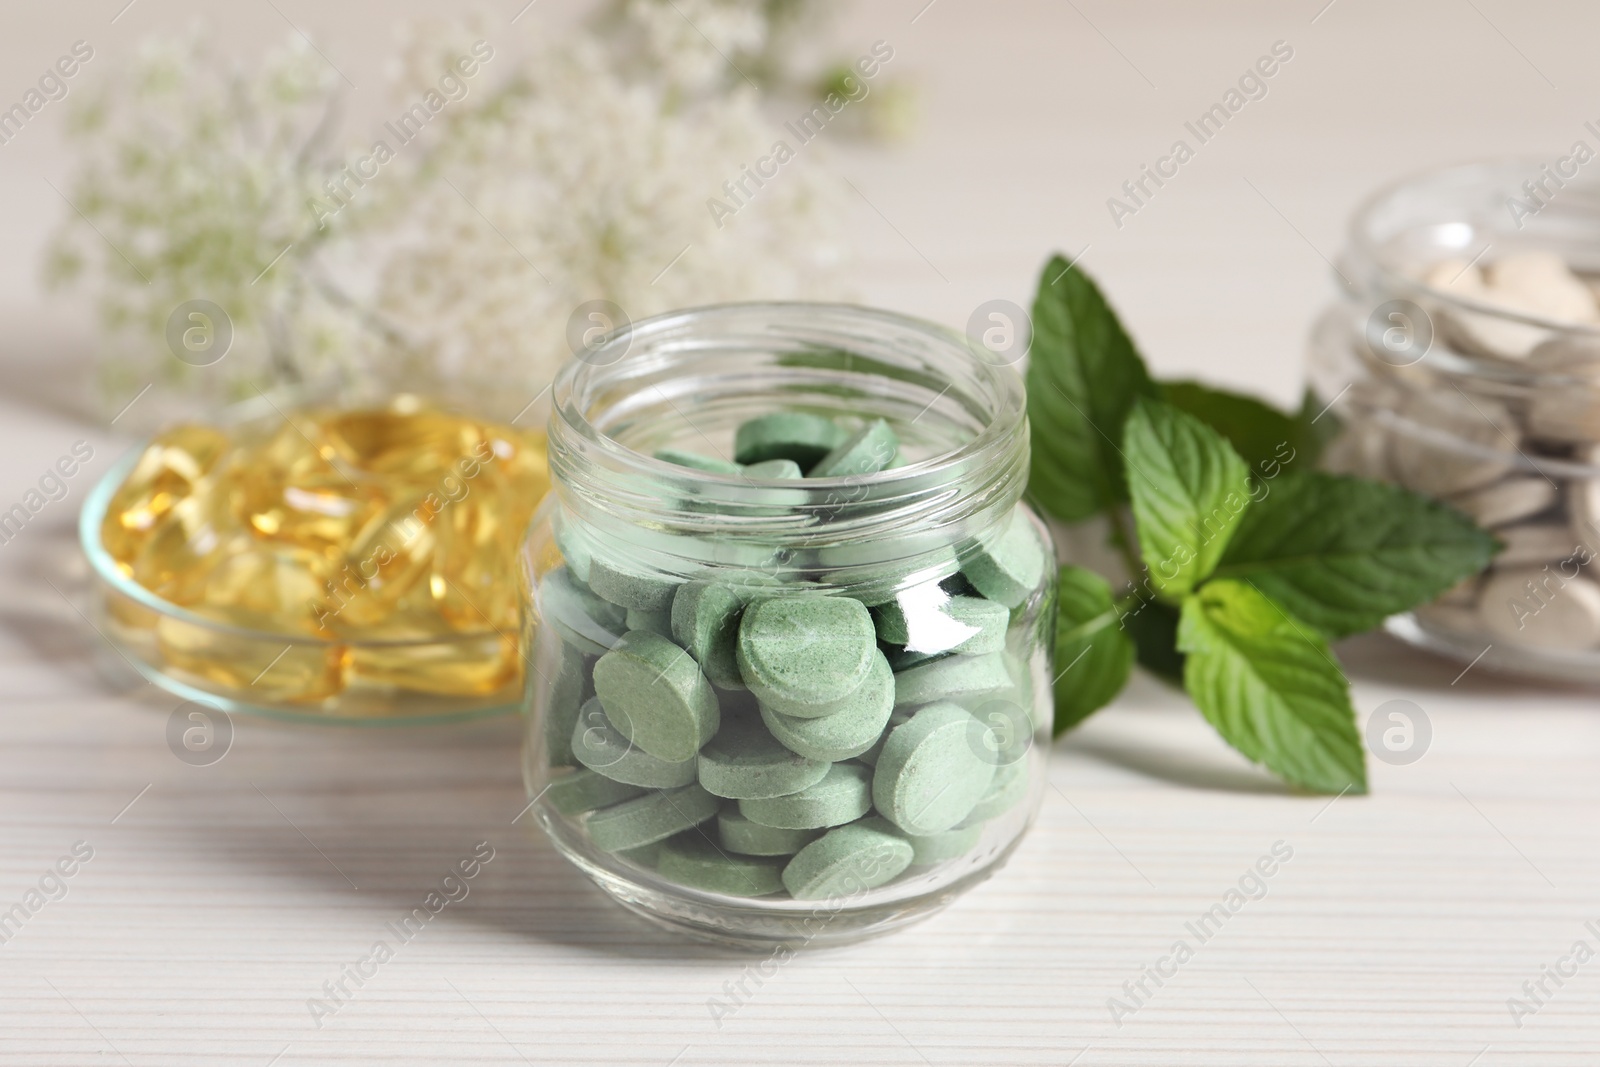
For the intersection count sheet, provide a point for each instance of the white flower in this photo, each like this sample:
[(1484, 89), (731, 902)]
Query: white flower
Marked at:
[(587, 186), (587, 172)]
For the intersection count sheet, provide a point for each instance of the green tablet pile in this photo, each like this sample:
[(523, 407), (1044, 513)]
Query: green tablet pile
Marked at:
[(747, 736)]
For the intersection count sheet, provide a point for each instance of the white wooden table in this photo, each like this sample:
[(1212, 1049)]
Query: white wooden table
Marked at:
[(219, 900)]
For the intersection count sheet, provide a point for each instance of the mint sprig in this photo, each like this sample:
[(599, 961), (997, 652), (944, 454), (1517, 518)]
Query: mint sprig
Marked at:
[(1245, 562), (1082, 391)]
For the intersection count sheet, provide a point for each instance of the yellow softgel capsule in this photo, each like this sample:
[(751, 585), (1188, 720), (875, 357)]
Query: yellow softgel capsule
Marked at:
[(402, 441), (467, 585), (175, 558), (278, 585), (387, 558), (323, 514), (258, 668), (478, 666), (286, 488), (166, 472)]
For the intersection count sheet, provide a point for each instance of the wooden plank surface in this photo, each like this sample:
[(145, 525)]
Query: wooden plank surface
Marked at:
[(219, 900)]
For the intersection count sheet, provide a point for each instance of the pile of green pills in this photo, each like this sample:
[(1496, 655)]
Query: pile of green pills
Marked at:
[(751, 736)]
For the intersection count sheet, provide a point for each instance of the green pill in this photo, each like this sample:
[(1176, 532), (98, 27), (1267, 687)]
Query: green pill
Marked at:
[(705, 620), (843, 795), (583, 620), (932, 771), (584, 790), (567, 694), (643, 856), (691, 859), (845, 861), (695, 461), (879, 585), (656, 697), (848, 732), (933, 848), (803, 655), (597, 744), (1007, 567), (774, 470), (650, 818), (739, 834), (793, 435), (903, 659), (867, 451), (574, 549), (745, 762), (952, 678), (631, 588), (966, 624), (659, 622), (870, 756), (1006, 792)]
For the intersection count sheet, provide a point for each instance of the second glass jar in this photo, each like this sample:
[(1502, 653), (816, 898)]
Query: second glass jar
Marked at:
[(1464, 363)]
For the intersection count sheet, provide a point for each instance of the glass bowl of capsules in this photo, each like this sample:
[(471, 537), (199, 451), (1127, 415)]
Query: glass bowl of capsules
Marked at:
[(306, 562)]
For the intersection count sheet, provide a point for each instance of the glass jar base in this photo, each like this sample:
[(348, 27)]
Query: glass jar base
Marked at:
[(1578, 668), (758, 925)]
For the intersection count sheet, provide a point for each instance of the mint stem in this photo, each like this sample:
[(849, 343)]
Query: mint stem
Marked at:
[(1123, 541)]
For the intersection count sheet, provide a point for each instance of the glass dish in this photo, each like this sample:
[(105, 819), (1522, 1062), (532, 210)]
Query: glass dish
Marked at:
[(351, 679)]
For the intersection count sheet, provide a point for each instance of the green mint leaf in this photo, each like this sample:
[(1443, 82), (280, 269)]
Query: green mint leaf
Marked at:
[(1153, 626), (1316, 426), (1270, 687), (1083, 376), (1093, 654), (1189, 490), (1265, 438), (1343, 554)]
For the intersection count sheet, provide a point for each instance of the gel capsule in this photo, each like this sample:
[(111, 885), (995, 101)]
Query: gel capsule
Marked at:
[(167, 472)]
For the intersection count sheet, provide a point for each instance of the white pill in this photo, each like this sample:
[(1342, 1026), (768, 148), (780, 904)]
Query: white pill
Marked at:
[(1458, 276), (1475, 332), (1583, 501), (1456, 618), (1362, 450), (1540, 283), (1535, 542), (1567, 409), (1541, 609), (1506, 501), (1568, 354), (1463, 593), (1434, 461)]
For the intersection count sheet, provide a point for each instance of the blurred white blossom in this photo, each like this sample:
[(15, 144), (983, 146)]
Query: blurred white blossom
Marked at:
[(584, 187), (581, 173)]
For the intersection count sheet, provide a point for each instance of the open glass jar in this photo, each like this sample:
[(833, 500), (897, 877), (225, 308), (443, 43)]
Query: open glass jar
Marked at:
[(771, 708), (1463, 362)]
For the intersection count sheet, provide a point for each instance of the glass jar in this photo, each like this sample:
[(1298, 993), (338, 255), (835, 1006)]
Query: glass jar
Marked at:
[(770, 709), (1463, 362)]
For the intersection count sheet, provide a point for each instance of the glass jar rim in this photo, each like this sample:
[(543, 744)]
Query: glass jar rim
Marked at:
[(1377, 274), (973, 483)]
